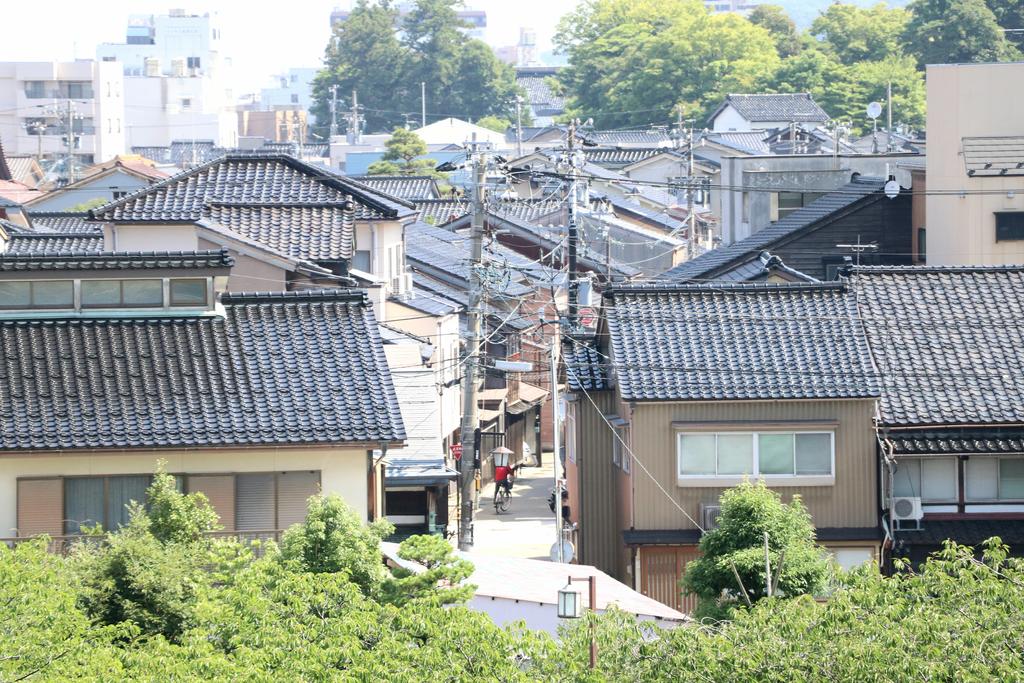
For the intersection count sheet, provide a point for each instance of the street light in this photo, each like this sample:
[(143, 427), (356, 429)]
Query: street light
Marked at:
[(570, 607), (501, 456)]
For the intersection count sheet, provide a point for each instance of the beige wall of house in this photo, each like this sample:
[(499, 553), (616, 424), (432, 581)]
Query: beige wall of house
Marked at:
[(850, 502), (251, 274), (150, 237), (971, 100), (342, 470), (385, 243)]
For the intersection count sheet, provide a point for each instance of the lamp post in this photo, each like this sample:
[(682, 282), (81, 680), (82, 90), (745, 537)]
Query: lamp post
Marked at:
[(501, 456), (569, 607)]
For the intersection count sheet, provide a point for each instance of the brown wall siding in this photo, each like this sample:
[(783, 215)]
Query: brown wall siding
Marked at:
[(220, 490), (600, 539), (661, 568), (851, 502)]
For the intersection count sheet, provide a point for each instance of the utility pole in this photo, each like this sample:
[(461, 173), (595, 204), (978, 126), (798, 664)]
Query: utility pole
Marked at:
[(334, 110), (888, 115), (354, 120), (691, 243), (519, 126), (423, 104), (470, 421), (574, 285), (559, 522)]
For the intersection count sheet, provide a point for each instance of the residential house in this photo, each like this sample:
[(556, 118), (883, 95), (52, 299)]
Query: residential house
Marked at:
[(688, 389), (949, 349), (22, 169), (543, 103), (257, 400), (743, 112), (975, 164), (278, 215), (818, 239), (107, 181), (408, 187), (451, 131)]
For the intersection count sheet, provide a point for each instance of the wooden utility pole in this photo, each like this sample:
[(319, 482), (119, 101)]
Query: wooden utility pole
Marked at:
[(519, 126), (574, 284), (470, 421)]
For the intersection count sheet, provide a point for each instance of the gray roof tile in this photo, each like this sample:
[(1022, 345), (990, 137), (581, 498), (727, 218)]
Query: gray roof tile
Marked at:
[(948, 342), (121, 260), (276, 369), (63, 222), (738, 342), (312, 232), (55, 243), (775, 107), (404, 187)]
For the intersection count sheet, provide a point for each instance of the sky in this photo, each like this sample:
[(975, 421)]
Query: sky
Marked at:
[(260, 44)]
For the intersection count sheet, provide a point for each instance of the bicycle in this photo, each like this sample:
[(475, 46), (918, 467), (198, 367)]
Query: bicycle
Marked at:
[(502, 497)]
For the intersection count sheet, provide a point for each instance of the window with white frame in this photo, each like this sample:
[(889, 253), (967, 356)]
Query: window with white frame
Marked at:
[(620, 453), (933, 480), (711, 455), (994, 479)]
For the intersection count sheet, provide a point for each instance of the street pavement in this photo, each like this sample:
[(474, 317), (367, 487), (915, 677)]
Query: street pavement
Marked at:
[(527, 530)]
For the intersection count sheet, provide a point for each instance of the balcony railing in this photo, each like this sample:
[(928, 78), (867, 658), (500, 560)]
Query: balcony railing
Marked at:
[(62, 545)]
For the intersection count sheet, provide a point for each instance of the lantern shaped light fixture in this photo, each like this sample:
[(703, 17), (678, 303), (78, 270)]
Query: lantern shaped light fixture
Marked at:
[(501, 456), (570, 602)]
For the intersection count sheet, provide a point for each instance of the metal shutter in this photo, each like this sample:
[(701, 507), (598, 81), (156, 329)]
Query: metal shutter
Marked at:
[(40, 507), (293, 490), (254, 502), (220, 490)]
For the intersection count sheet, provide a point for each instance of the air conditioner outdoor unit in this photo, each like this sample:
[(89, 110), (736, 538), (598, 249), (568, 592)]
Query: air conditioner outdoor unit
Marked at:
[(709, 516), (907, 509)]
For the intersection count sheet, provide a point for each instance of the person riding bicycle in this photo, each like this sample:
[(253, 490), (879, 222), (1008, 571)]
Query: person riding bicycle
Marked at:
[(504, 477)]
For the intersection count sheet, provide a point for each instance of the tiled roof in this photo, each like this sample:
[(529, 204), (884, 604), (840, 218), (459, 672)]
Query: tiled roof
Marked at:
[(426, 302), (736, 342), (539, 94), (585, 367), (276, 369), (748, 142), (656, 137), (22, 168), (440, 211), (268, 179), (317, 233), (714, 263), (948, 342), (63, 221), (50, 243), (122, 260), (774, 107), (403, 187), (967, 532), (957, 441), (619, 157)]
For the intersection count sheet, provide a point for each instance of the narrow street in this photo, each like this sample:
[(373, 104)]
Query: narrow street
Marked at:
[(527, 529)]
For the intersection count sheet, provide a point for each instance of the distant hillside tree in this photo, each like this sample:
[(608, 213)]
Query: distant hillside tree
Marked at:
[(956, 31), (775, 20)]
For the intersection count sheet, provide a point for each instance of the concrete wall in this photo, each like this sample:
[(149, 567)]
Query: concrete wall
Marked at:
[(343, 470), (971, 100)]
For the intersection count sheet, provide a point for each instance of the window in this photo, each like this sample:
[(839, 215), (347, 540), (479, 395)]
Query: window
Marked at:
[(35, 90), (273, 500), (361, 261), (193, 62), (77, 90), (295, 98), (766, 454), (191, 292), (38, 294), (933, 480), (101, 500), (186, 103), (1009, 226), (922, 245), (121, 293), (991, 479), (118, 194)]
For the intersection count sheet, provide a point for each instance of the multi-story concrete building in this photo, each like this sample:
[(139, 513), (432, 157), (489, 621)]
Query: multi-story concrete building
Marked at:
[(294, 90), (975, 169), (35, 99), (176, 81)]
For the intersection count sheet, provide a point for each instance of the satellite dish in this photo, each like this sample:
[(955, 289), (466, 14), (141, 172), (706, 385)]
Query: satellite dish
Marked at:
[(874, 110), (892, 189)]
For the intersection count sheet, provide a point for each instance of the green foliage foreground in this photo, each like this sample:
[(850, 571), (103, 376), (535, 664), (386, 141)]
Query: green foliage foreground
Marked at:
[(315, 612)]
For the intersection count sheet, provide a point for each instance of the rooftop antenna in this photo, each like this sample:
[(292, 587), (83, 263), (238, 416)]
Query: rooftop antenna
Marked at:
[(874, 111), (859, 248)]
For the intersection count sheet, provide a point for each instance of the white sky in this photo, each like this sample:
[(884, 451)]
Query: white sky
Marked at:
[(261, 38)]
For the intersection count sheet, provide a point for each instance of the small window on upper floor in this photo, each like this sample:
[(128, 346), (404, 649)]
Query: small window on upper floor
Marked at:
[(186, 103), (190, 292), (1009, 226), (122, 293), (361, 261), (38, 294), (295, 98)]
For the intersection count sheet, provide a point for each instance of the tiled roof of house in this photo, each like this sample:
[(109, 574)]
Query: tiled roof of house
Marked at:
[(22, 168), (268, 179), (738, 342), (748, 142), (948, 342), (122, 260), (760, 107), (313, 232), (63, 221), (585, 367), (619, 157), (404, 187), (296, 368), (957, 441), (50, 243), (427, 301), (440, 211), (648, 137), (713, 264), (539, 94)]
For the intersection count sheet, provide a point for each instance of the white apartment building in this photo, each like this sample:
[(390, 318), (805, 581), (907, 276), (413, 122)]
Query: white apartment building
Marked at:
[(34, 102), (177, 83), (292, 90)]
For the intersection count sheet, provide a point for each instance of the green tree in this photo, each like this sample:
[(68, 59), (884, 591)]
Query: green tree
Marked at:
[(333, 539), (174, 517), (495, 123), (750, 511), (440, 582), (364, 54), (855, 34), (89, 204), (775, 20), (1010, 16), (634, 61), (955, 31)]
